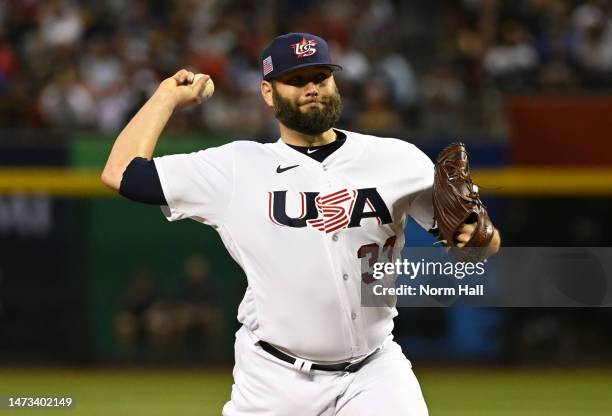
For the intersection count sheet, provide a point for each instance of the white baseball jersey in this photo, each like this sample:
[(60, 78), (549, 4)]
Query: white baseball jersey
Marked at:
[(300, 230)]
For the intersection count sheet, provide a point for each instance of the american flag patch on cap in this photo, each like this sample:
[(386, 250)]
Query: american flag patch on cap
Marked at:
[(267, 66)]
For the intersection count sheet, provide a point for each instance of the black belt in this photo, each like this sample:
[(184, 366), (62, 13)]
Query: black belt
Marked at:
[(345, 366)]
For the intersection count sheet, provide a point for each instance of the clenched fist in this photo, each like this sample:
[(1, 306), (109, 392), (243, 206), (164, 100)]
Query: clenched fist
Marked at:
[(183, 91)]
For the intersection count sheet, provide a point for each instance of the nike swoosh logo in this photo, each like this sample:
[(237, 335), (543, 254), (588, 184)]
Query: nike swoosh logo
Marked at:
[(309, 151), (281, 170)]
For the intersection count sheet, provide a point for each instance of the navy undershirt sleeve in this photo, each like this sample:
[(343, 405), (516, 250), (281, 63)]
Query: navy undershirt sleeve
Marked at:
[(141, 182)]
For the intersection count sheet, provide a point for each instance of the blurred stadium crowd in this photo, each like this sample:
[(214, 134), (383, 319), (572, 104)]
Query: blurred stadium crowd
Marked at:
[(432, 66), (151, 324)]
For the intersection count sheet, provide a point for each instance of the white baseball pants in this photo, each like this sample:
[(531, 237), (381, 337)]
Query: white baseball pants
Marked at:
[(267, 386)]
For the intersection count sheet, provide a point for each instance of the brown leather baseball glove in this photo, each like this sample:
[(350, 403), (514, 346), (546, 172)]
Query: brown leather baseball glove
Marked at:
[(456, 201)]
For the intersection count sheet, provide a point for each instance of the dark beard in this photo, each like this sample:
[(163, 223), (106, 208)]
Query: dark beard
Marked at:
[(315, 121)]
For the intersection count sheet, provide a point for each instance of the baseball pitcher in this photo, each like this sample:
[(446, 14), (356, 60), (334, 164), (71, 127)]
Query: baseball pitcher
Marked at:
[(298, 215)]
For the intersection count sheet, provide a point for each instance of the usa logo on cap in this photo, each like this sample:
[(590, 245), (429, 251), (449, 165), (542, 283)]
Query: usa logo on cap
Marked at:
[(293, 51), (304, 48)]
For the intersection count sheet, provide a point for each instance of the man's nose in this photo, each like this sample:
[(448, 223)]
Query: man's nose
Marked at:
[(312, 89)]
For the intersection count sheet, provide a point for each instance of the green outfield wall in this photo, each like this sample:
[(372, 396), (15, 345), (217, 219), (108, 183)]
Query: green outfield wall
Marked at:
[(125, 236)]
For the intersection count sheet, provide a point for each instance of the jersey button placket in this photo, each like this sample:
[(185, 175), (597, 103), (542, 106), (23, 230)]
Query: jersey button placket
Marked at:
[(345, 276), (327, 180)]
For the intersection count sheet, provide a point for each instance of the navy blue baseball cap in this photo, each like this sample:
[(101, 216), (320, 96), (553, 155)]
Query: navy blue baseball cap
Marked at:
[(294, 51)]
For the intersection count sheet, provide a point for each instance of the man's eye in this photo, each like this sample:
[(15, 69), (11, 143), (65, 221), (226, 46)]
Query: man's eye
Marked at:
[(320, 78), (300, 80)]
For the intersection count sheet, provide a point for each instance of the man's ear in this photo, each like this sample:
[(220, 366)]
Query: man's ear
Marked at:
[(266, 93)]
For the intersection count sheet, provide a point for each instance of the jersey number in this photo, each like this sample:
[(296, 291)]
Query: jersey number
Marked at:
[(373, 253)]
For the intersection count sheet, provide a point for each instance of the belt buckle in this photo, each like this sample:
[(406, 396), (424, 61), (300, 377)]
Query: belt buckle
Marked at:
[(353, 367)]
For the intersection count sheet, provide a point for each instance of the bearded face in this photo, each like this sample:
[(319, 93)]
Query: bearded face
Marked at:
[(308, 115)]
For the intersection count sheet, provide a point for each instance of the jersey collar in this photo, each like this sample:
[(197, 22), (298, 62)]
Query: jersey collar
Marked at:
[(338, 154)]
